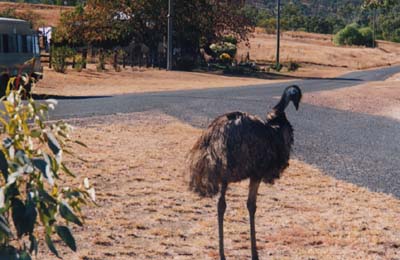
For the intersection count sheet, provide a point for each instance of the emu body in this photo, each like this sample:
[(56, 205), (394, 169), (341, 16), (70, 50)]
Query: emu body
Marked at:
[(238, 146)]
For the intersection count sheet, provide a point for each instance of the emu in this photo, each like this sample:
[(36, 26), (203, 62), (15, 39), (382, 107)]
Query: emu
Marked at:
[(237, 146)]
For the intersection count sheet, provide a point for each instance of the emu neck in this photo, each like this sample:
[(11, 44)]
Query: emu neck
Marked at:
[(283, 103), (278, 121), (278, 110)]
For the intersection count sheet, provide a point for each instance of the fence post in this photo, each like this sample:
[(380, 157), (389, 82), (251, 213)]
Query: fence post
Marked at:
[(50, 54)]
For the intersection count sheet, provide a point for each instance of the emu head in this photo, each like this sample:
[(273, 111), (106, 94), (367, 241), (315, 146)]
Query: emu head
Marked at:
[(291, 93)]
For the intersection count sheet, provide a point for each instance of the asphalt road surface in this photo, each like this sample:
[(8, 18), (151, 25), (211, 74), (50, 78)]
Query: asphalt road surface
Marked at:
[(357, 148)]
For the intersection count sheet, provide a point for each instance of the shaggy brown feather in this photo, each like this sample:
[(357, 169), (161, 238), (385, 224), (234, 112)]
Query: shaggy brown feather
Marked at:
[(238, 146)]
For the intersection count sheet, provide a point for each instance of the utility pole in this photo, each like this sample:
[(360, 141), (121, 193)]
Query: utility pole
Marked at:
[(374, 28), (170, 33), (278, 33)]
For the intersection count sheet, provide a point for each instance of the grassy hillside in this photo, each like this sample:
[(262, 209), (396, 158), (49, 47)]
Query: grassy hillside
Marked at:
[(44, 15), (323, 16), (318, 49)]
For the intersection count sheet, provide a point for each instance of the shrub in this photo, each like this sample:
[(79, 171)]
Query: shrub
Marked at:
[(224, 47), (31, 193), (293, 66), (242, 69), (59, 57), (79, 62), (101, 65), (186, 62), (367, 36), (348, 36), (396, 35), (277, 67), (269, 24), (225, 58), (353, 35), (230, 39)]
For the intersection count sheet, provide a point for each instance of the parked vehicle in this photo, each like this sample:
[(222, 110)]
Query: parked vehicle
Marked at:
[(19, 51)]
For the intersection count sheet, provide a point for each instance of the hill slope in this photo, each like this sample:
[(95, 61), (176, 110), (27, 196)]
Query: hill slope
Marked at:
[(45, 15), (318, 49)]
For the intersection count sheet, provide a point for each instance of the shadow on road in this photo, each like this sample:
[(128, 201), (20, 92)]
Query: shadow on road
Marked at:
[(277, 76), (44, 96)]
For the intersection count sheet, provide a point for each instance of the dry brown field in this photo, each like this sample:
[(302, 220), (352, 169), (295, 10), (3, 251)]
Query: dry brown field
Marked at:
[(317, 49), (137, 165), (47, 15)]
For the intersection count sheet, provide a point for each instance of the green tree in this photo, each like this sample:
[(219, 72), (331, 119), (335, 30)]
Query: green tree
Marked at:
[(108, 24)]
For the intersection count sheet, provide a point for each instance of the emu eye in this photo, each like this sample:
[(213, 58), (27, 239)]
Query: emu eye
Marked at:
[(292, 91)]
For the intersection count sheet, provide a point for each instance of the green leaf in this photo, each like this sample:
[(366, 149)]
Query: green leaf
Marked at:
[(8, 252), (51, 246), (24, 216), (30, 216), (34, 244), (65, 234), (22, 157), (18, 212), (46, 197), (53, 143), (11, 191), (4, 122), (43, 165), (46, 214), (4, 226), (23, 255), (67, 214), (3, 165), (36, 133)]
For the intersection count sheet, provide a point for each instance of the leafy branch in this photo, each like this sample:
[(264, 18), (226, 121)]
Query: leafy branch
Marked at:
[(32, 191)]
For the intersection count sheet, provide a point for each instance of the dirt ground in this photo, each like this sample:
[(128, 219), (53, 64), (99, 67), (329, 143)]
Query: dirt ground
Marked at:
[(376, 98), (137, 163)]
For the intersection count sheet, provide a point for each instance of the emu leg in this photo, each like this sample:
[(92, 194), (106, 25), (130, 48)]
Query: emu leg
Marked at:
[(221, 212), (251, 206)]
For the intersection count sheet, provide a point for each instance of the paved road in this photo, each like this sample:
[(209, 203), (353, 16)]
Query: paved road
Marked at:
[(358, 148)]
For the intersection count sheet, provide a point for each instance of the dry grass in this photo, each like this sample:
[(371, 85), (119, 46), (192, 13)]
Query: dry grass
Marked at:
[(310, 48), (91, 82), (376, 98), (146, 212), (49, 15)]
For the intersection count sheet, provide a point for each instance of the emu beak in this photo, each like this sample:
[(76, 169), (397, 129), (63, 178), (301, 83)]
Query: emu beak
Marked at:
[(296, 105)]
